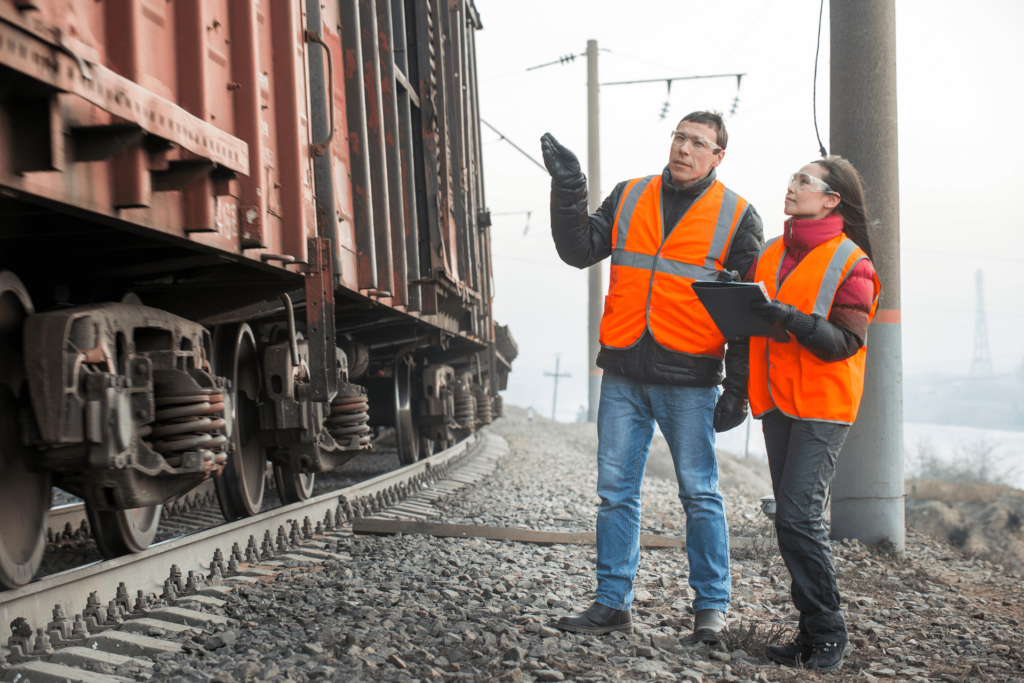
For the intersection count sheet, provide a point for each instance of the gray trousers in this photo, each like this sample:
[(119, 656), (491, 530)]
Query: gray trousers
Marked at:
[(802, 459)]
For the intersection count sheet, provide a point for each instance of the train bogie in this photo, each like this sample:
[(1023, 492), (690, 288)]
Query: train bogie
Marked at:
[(126, 409)]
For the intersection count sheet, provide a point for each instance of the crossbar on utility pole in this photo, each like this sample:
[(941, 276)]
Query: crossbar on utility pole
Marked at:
[(867, 492), (556, 374), (595, 301)]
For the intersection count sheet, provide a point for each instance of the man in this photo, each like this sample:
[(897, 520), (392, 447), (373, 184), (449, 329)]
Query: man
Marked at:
[(661, 353)]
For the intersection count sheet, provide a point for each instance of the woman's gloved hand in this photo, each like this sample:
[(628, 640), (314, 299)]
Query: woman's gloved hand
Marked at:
[(774, 312), (561, 163)]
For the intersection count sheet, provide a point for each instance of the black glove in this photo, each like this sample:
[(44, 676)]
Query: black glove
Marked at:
[(728, 276), (774, 312), (731, 409), (561, 163)]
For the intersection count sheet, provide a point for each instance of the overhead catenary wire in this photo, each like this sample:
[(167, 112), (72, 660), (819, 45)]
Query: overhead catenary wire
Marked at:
[(817, 51), (561, 60), (517, 213), (677, 78), (520, 149)]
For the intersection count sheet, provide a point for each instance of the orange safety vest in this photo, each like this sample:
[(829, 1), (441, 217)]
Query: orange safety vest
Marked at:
[(787, 376), (651, 277)]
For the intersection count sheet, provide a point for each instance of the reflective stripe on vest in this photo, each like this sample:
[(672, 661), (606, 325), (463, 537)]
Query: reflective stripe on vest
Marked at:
[(650, 276), (788, 377)]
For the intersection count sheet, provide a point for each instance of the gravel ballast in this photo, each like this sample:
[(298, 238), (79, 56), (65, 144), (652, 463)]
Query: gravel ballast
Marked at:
[(414, 607)]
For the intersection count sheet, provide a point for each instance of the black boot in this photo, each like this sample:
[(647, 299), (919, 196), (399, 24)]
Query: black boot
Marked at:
[(826, 656), (597, 620), (793, 654), (707, 626)]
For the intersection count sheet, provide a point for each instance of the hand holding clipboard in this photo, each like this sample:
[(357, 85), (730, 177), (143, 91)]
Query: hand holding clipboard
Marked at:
[(728, 304)]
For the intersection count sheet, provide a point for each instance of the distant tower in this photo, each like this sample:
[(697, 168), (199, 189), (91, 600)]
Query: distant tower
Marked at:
[(981, 364)]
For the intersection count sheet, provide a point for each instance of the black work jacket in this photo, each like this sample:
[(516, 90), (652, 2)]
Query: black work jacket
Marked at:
[(583, 240)]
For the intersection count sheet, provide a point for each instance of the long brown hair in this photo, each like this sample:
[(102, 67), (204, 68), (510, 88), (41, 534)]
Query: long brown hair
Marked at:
[(842, 177)]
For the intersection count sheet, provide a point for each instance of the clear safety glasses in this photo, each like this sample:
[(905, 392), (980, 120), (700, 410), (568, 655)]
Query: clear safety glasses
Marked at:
[(697, 143), (802, 182)]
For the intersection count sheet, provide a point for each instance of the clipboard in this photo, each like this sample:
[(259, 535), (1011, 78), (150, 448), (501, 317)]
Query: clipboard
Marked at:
[(728, 304)]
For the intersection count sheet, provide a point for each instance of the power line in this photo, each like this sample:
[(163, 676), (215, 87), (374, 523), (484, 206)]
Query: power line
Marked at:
[(561, 60), (678, 78), (668, 84), (520, 149), (817, 50), (517, 213)]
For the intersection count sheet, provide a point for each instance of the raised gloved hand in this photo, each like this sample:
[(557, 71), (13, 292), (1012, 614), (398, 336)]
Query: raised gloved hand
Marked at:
[(731, 409), (561, 163), (774, 312)]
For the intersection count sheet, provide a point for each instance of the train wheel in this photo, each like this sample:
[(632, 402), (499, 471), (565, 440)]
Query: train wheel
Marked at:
[(292, 487), (24, 494), (407, 431), (122, 532), (241, 486)]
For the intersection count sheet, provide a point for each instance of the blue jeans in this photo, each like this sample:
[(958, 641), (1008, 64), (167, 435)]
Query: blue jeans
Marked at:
[(625, 426)]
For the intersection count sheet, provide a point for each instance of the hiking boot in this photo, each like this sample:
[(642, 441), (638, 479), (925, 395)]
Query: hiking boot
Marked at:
[(793, 654), (597, 620), (707, 624), (826, 656)]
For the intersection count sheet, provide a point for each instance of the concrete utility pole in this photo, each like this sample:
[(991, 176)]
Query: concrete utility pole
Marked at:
[(556, 374), (867, 492), (596, 297)]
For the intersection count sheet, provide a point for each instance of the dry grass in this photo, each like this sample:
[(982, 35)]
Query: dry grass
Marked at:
[(754, 638), (958, 492)]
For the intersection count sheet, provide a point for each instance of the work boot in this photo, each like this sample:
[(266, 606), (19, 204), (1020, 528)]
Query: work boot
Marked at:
[(707, 624), (793, 654), (597, 620), (826, 656)]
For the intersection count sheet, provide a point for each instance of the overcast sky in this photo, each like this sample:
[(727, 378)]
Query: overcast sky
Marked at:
[(960, 79)]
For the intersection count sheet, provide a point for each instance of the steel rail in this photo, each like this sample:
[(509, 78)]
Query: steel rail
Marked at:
[(147, 570)]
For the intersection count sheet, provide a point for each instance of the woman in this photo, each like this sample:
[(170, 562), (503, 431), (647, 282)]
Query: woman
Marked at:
[(807, 391)]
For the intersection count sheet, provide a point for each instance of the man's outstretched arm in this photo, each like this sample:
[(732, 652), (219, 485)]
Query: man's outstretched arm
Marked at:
[(581, 239)]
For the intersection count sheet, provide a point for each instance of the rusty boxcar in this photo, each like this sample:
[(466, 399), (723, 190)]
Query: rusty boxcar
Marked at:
[(233, 232)]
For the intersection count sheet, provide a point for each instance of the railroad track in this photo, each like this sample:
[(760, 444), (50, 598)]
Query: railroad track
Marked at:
[(108, 614)]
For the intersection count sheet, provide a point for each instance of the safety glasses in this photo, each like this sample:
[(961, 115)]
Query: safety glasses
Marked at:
[(697, 143), (802, 182)]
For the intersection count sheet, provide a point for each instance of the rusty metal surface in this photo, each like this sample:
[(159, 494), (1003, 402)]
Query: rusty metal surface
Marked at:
[(370, 69), (47, 63), (166, 114), (392, 155)]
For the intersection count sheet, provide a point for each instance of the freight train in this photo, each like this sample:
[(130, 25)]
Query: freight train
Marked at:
[(233, 232)]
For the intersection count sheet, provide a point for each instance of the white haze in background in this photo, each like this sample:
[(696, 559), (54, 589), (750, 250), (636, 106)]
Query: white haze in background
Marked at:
[(961, 145)]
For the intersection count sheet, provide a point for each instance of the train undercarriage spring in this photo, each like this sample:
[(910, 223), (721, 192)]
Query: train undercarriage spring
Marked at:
[(186, 424), (348, 421), (484, 411), (465, 409)]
